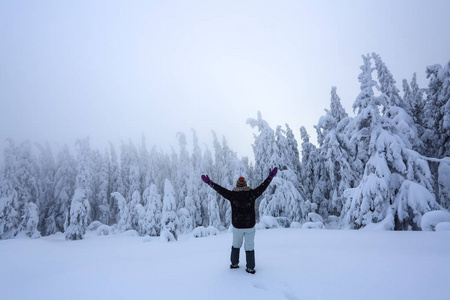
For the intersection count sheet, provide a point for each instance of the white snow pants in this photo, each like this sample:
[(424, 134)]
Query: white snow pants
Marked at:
[(238, 238)]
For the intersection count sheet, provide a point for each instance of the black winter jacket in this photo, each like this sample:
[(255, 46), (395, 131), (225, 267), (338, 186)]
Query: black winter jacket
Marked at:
[(242, 203)]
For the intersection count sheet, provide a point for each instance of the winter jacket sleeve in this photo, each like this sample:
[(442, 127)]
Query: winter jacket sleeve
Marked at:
[(260, 189), (222, 191)]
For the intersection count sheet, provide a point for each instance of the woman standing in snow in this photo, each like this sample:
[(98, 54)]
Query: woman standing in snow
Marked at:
[(242, 199)]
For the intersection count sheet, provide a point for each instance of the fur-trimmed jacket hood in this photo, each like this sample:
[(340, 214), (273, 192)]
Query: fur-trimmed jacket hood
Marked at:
[(242, 189)]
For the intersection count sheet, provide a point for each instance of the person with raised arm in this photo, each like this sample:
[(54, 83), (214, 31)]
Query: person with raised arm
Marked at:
[(242, 199)]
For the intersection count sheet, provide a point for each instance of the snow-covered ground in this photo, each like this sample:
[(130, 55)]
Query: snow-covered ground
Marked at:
[(290, 264)]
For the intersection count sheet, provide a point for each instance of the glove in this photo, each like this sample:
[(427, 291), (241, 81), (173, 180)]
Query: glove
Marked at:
[(206, 179), (273, 172)]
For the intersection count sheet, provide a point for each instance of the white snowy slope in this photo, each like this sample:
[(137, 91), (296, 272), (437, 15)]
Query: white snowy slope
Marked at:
[(290, 263)]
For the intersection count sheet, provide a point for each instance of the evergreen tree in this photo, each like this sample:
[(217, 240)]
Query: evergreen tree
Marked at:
[(79, 215), (169, 220), (30, 220), (151, 222), (26, 175), (124, 222), (114, 184), (46, 183), (8, 218), (387, 85), (9, 203), (391, 169), (65, 175)]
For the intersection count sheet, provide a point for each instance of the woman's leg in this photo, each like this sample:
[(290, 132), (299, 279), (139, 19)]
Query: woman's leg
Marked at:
[(249, 247), (238, 239)]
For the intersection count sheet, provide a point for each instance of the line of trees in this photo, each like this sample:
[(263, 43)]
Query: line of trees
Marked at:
[(388, 164)]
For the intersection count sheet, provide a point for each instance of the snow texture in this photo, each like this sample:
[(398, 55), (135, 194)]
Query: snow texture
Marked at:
[(431, 219), (290, 264)]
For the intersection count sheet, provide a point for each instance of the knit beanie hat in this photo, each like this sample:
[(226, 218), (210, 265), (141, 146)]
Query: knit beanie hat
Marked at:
[(241, 182)]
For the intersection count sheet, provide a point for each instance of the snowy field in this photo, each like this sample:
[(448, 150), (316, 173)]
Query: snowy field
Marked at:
[(290, 264)]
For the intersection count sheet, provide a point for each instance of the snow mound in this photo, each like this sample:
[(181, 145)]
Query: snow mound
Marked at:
[(201, 231), (433, 218), (443, 226), (313, 225), (314, 217), (387, 224), (283, 222), (130, 233), (167, 236), (103, 230), (267, 222), (332, 222), (296, 225), (94, 225)]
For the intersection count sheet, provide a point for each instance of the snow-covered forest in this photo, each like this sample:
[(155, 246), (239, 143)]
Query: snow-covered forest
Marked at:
[(387, 166)]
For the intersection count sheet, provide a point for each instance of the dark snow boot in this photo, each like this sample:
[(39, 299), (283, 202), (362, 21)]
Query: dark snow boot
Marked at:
[(250, 255), (234, 258)]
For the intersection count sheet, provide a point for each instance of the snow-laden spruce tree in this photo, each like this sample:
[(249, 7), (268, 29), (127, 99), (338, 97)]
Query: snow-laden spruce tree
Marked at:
[(79, 215), (26, 176), (282, 198), (30, 220), (192, 202), (46, 183), (169, 219), (124, 220), (115, 183), (334, 149), (310, 164), (100, 204), (150, 224), (227, 169), (8, 218), (387, 85), (136, 210), (58, 213), (210, 205), (396, 186), (183, 171), (436, 111), (9, 203)]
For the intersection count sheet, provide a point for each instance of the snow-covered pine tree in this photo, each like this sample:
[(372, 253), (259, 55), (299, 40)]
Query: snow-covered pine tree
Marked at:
[(399, 110), (334, 146), (387, 85), (136, 210), (396, 186), (9, 203), (46, 183), (434, 104), (444, 98), (26, 176), (8, 218), (169, 219), (150, 224), (114, 184), (310, 165), (65, 175), (194, 184), (124, 221), (210, 205), (100, 206), (281, 199), (79, 215), (30, 220), (222, 175), (84, 169), (144, 165), (134, 175), (182, 171)]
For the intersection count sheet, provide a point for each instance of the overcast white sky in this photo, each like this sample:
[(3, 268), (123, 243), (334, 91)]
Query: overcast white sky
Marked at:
[(114, 70)]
